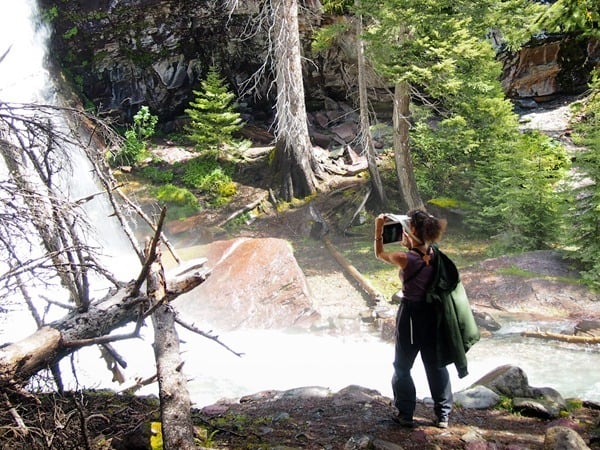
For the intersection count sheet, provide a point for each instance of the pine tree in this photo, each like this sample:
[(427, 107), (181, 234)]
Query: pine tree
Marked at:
[(464, 136), (213, 119), (583, 220)]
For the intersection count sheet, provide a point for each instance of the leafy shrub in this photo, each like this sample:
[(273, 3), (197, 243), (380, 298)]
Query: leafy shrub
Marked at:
[(136, 138), (157, 175), (180, 202), (213, 180)]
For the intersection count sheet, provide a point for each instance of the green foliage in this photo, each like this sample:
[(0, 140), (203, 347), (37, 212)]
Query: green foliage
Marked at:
[(157, 175), (213, 119), (70, 33), (465, 139), (337, 6), (49, 14), (180, 202), (209, 177), (506, 403), (325, 37), (516, 193), (583, 218), (571, 16), (136, 138)]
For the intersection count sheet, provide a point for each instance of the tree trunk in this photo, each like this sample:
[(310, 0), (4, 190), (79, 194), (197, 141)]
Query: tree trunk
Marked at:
[(295, 162), (404, 165), (175, 404), (365, 123)]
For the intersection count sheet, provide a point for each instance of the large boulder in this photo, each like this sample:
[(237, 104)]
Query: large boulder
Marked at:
[(254, 283), (511, 381)]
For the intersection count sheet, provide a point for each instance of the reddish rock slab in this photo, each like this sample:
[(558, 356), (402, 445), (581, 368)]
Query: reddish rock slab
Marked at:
[(254, 284)]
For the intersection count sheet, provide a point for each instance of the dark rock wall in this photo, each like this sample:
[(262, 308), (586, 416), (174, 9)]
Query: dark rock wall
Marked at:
[(122, 54)]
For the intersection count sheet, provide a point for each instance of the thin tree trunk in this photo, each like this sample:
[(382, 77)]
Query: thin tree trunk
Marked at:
[(175, 404), (365, 123), (296, 163), (404, 165)]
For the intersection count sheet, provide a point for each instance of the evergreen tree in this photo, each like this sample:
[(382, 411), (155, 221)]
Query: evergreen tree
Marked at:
[(213, 119), (465, 138), (583, 220), (572, 16)]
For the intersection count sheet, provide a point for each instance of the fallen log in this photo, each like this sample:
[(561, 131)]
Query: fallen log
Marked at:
[(22, 359), (562, 337), (365, 284)]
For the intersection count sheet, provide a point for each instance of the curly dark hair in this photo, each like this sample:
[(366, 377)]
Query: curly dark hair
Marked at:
[(428, 228)]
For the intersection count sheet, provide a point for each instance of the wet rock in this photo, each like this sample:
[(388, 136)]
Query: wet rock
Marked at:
[(254, 283), (507, 380), (532, 407)]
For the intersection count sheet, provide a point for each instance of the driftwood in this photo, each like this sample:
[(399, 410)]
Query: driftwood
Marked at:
[(359, 209), (365, 284), (562, 337)]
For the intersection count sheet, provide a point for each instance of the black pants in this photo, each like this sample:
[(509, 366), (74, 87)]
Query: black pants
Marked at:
[(416, 332)]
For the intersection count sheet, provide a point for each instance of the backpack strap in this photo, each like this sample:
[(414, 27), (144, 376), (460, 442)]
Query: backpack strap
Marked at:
[(418, 271)]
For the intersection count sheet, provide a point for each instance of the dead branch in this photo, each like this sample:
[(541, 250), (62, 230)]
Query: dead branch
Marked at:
[(150, 254), (205, 334), (16, 416), (149, 221), (360, 208), (245, 209), (175, 403)]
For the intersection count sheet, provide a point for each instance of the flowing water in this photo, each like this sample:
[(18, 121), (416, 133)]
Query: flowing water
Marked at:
[(277, 360)]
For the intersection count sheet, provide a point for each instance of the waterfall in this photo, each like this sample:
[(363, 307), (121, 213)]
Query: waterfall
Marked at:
[(25, 81)]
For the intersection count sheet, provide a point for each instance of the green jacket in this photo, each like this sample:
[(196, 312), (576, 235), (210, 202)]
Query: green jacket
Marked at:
[(457, 329)]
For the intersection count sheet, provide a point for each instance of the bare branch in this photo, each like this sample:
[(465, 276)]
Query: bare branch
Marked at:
[(208, 335)]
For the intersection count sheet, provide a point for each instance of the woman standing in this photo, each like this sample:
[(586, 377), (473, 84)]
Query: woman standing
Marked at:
[(417, 319)]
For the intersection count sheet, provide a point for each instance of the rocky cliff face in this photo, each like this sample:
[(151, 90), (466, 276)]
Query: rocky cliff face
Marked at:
[(549, 66), (122, 54)]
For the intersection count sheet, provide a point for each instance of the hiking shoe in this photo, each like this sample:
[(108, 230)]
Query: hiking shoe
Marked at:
[(442, 423), (403, 422)]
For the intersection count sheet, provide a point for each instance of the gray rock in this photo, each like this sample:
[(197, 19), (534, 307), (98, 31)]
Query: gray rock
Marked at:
[(358, 443), (307, 392), (563, 438), (477, 397), (507, 380), (536, 407), (551, 395)]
